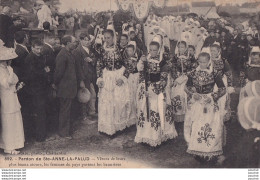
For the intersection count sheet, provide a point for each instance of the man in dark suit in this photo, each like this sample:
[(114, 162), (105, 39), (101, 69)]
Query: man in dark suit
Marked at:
[(210, 39), (123, 43), (22, 52), (49, 55), (65, 81), (234, 51), (86, 73), (91, 28), (18, 65), (36, 84), (17, 25), (5, 23)]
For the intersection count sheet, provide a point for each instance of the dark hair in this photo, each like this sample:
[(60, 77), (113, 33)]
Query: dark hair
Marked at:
[(66, 39), (124, 35), (37, 42), (19, 36), (83, 35), (182, 42), (131, 46), (46, 25), (153, 43), (109, 31), (204, 54), (191, 46)]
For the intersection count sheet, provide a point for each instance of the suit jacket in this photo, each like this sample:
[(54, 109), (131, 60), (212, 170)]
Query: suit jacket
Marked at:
[(18, 64), (36, 78), (65, 75), (90, 29), (5, 23), (11, 31), (49, 58), (86, 71)]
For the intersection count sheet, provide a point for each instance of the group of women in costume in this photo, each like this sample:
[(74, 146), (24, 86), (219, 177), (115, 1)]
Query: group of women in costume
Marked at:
[(156, 92)]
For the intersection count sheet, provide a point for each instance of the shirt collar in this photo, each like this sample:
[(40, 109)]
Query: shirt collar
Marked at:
[(86, 49)]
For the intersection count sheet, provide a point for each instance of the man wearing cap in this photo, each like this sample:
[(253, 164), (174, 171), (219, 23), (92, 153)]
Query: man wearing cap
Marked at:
[(86, 72), (5, 23)]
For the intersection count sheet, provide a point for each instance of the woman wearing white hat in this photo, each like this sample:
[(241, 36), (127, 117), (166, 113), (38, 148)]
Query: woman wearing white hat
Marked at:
[(251, 74), (221, 65), (182, 65), (203, 127), (113, 97), (12, 133), (155, 124), (131, 60)]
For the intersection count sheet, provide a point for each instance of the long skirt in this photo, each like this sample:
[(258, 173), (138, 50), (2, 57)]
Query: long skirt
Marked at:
[(159, 127), (113, 103), (224, 103), (204, 129), (179, 100), (12, 132), (133, 84)]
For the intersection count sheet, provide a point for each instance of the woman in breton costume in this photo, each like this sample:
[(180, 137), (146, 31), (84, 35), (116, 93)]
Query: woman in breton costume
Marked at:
[(181, 66), (155, 124), (251, 74), (203, 127), (131, 60), (113, 102), (221, 66), (12, 133)]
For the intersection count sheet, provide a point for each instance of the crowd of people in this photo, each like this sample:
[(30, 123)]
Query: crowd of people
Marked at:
[(130, 77)]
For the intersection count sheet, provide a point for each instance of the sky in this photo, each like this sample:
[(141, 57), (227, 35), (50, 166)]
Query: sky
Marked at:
[(89, 5), (100, 5)]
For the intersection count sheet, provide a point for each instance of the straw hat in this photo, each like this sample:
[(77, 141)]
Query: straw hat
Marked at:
[(1, 43), (248, 113), (83, 95), (7, 53)]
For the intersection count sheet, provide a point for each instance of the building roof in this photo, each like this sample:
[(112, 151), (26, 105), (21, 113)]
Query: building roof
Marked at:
[(203, 4)]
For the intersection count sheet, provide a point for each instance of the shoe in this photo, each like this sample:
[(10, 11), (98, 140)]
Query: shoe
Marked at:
[(13, 152)]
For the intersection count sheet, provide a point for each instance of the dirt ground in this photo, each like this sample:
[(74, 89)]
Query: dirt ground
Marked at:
[(171, 154)]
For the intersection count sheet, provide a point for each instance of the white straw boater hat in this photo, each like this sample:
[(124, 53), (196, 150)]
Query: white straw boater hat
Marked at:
[(1, 43), (248, 113), (7, 53)]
